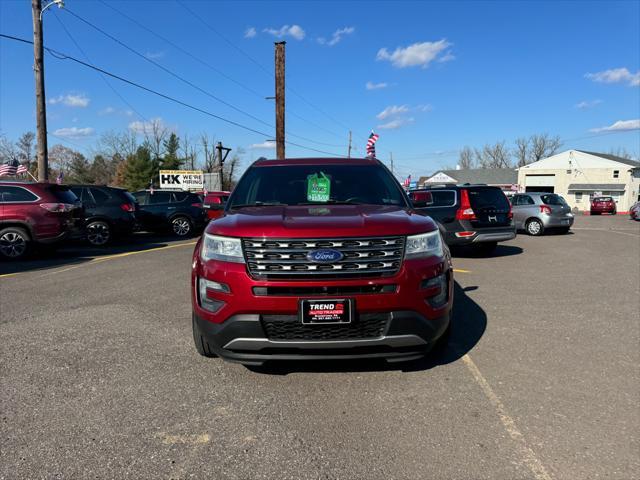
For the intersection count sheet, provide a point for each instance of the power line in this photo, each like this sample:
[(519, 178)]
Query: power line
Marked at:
[(163, 68), (263, 68), (86, 57), (184, 79), (63, 56)]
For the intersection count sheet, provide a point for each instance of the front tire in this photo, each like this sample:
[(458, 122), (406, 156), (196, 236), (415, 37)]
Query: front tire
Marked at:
[(201, 344), (181, 226), (98, 233), (534, 227), (14, 243)]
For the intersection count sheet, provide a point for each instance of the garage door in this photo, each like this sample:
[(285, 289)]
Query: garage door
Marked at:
[(540, 180)]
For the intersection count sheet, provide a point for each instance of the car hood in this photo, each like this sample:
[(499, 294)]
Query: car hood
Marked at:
[(321, 221)]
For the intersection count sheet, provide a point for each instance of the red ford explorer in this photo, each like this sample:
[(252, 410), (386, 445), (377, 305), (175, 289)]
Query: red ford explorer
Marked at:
[(320, 259)]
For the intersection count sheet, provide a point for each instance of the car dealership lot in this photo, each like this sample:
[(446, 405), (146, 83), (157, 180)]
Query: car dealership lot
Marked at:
[(99, 376)]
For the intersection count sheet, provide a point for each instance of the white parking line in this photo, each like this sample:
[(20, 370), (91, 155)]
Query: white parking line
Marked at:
[(527, 455), (610, 230)]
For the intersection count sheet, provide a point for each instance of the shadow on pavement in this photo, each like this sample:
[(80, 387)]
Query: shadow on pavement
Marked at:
[(467, 327), (77, 252), (473, 252)]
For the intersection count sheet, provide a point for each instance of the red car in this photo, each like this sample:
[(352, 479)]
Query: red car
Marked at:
[(35, 213), (601, 205), (312, 262), (214, 203)]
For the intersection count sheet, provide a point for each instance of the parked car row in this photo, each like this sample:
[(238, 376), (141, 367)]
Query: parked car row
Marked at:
[(46, 214)]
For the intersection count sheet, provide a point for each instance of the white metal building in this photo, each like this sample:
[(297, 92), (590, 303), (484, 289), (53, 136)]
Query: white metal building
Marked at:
[(578, 175)]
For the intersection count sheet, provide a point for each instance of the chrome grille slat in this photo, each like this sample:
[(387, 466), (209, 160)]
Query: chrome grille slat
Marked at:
[(284, 258)]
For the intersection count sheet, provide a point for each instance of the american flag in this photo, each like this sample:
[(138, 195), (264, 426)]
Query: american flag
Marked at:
[(12, 168), (407, 182), (371, 144)]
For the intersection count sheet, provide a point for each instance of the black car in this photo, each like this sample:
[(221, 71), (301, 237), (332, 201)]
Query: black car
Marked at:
[(109, 212), (476, 215), (178, 211)]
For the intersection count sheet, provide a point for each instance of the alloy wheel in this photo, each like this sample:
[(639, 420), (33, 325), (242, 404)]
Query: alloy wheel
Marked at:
[(181, 226), (534, 227), (98, 233), (13, 245)]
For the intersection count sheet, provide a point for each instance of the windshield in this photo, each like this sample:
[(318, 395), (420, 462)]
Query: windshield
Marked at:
[(317, 185), (553, 200)]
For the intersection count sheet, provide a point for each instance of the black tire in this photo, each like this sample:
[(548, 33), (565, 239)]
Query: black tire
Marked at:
[(15, 243), (98, 233), (534, 227), (181, 226), (201, 344)]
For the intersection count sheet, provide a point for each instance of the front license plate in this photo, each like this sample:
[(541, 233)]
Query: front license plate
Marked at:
[(325, 311)]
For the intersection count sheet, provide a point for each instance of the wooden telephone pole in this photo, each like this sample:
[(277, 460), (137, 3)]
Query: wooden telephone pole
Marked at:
[(349, 151), (280, 100), (41, 107)]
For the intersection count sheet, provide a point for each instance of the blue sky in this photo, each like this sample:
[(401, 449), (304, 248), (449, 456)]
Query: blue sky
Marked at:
[(439, 75)]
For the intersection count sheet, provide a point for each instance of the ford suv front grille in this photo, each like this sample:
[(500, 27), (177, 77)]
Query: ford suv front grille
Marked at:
[(289, 258)]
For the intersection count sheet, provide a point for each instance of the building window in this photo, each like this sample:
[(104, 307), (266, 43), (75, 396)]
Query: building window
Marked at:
[(569, 171), (578, 197), (616, 173)]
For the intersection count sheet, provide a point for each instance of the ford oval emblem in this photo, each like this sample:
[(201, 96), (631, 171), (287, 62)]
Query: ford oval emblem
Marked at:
[(325, 256)]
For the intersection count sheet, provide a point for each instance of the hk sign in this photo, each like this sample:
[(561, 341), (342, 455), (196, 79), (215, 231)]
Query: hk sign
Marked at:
[(182, 179)]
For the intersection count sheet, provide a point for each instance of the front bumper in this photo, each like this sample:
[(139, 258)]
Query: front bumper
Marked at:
[(243, 339)]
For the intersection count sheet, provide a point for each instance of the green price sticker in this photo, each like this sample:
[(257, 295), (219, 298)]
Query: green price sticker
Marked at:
[(318, 188)]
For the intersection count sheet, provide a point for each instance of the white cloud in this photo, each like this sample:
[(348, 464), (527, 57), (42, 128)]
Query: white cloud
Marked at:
[(391, 111), (587, 104), (418, 54), (616, 75), (154, 55), (71, 100), (107, 111), (294, 31), (74, 132), (250, 32), (447, 57), (146, 128), (619, 126), (395, 124), (336, 37), (376, 86), (424, 108), (266, 145)]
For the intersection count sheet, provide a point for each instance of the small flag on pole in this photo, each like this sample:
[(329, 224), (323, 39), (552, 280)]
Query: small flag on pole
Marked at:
[(407, 182), (371, 144), (22, 169), (8, 169)]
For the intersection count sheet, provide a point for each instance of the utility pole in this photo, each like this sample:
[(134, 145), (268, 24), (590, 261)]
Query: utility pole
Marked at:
[(391, 158), (349, 152), (280, 100), (41, 107), (221, 159)]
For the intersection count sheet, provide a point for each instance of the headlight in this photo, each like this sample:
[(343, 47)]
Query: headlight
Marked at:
[(225, 249), (424, 245)]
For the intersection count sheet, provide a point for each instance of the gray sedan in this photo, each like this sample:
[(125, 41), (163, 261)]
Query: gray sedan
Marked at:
[(536, 212)]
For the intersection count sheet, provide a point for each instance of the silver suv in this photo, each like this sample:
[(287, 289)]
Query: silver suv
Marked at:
[(537, 212)]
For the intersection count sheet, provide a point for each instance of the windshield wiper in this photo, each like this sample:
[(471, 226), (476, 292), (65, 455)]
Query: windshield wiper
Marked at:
[(257, 204)]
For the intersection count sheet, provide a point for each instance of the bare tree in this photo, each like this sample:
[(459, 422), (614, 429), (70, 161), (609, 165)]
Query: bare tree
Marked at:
[(521, 151), (7, 149), (155, 136), (61, 157), (466, 160), (25, 147), (209, 151), (621, 152), (543, 146), (189, 152), (121, 143), (494, 156), (228, 173)]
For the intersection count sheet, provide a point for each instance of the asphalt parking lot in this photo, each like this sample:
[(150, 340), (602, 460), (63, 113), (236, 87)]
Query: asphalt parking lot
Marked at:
[(99, 376)]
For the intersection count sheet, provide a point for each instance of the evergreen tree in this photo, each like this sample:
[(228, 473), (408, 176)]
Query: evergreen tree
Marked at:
[(171, 161), (79, 169), (139, 170), (101, 171)]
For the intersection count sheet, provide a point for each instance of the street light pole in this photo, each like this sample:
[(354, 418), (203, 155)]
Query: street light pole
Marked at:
[(38, 70)]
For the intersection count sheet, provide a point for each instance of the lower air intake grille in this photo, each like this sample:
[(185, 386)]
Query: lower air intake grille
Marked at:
[(289, 327)]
